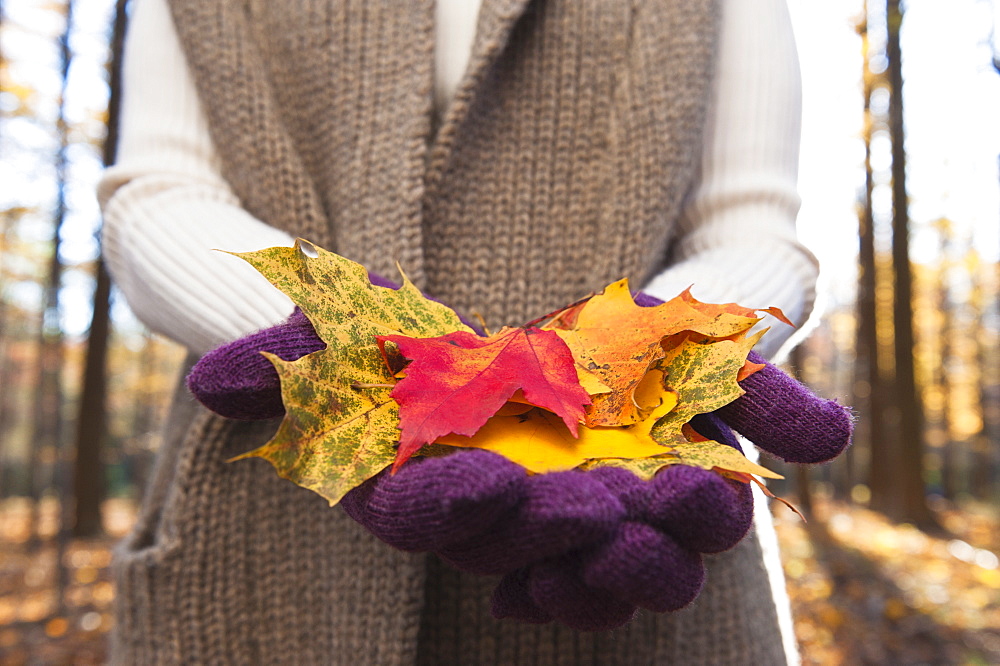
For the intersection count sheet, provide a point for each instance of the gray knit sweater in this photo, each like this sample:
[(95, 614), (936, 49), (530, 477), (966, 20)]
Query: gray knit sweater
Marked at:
[(559, 167)]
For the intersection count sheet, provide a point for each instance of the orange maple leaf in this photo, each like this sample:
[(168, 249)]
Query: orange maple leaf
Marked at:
[(456, 382), (619, 341)]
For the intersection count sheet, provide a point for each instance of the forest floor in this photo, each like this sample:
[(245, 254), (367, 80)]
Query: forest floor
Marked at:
[(863, 590)]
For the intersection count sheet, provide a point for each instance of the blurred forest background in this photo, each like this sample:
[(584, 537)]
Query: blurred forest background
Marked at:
[(898, 562)]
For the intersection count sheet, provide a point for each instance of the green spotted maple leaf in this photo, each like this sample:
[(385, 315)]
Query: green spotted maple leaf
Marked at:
[(704, 375), (708, 454), (340, 426)]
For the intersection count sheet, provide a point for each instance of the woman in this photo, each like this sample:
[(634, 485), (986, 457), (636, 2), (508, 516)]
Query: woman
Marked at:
[(512, 157)]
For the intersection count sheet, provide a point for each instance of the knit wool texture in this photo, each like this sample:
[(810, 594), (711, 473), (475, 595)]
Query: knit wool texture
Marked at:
[(558, 168), (431, 504), (790, 432), (559, 512), (238, 382), (663, 576)]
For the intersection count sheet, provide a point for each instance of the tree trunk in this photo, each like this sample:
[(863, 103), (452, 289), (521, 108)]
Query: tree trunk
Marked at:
[(88, 468), (47, 424), (989, 379), (46, 428), (950, 477), (907, 502), (869, 385), (8, 373), (89, 483), (982, 467)]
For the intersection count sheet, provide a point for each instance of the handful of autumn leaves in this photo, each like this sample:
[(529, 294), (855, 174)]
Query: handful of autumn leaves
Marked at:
[(600, 400), (602, 382)]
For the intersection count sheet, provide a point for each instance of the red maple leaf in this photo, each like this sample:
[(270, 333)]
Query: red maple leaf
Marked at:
[(456, 382)]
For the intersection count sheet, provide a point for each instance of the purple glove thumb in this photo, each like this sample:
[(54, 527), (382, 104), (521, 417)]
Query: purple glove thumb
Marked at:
[(237, 382), (783, 417)]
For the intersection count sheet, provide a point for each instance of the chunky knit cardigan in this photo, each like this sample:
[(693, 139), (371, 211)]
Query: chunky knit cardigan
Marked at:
[(560, 166)]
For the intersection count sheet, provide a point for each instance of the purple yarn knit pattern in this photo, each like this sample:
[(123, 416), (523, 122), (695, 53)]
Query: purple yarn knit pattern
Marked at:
[(236, 381), (653, 559)]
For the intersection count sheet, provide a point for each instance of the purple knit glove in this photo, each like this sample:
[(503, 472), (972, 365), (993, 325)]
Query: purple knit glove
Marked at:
[(652, 561), (237, 382)]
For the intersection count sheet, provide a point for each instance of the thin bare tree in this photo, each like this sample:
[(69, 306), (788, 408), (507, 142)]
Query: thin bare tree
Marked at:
[(89, 485), (901, 491), (874, 435), (47, 423)]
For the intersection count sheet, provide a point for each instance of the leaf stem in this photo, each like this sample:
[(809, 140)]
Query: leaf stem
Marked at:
[(556, 313), (482, 323)]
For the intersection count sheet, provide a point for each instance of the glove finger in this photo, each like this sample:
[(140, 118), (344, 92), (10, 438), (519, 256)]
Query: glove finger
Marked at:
[(785, 418), (713, 427), (627, 487), (644, 567), (644, 300), (700, 509), (355, 502), (237, 382), (782, 416), (560, 511), (512, 600), (432, 503), (558, 589)]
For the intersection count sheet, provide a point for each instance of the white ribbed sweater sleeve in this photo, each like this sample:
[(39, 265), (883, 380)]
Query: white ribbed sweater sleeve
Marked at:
[(166, 205), (736, 236)]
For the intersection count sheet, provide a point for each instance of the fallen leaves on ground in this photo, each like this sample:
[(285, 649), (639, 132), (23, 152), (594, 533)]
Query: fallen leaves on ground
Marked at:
[(34, 629), (865, 590)]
